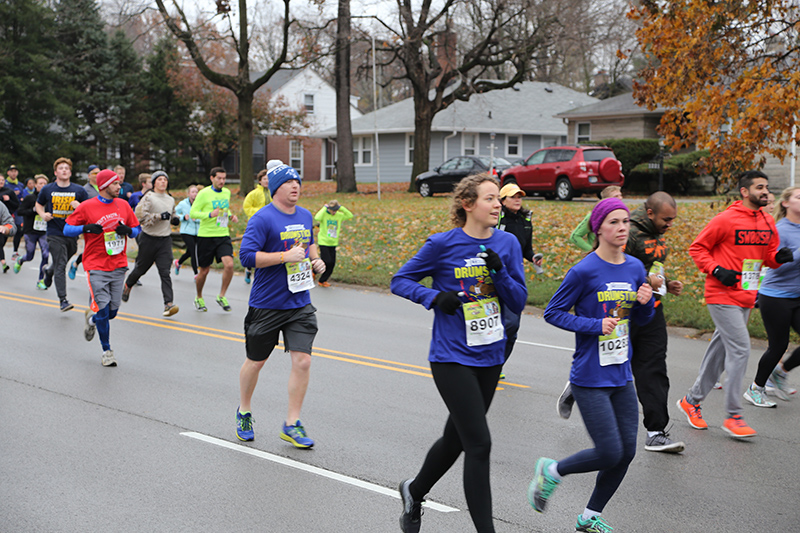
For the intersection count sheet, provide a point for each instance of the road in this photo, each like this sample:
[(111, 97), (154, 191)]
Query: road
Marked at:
[(151, 445)]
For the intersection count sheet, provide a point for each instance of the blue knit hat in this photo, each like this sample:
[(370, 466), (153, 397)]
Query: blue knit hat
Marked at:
[(279, 175)]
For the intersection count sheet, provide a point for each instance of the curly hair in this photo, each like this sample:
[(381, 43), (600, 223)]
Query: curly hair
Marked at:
[(466, 192)]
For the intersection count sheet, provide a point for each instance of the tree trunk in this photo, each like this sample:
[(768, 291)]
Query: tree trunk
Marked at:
[(423, 120), (345, 167), (245, 120)]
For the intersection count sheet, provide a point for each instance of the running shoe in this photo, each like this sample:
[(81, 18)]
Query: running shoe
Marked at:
[(411, 517), (542, 486), (126, 293), (223, 303), (244, 426), (324, 284), (594, 525), (138, 283), (565, 402), (41, 286), (73, 269), (5, 268), (15, 256), (502, 375), (66, 306), (89, 328), (660, 442), (247, 275), (693, 414), (200, 305), (177, 267), (718, 385), (48, 278), (170, 309), (737, 428), (758, 397), (17, 265), (296, 434), (777, 385), (108, 358)]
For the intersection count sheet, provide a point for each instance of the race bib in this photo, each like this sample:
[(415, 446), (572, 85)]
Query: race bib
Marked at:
[(762, 275), (751, 274), (657, 270), (613, 348), (483, 322), (39, 224), (299, 276), (222, 220), (114, 242), (333, 230)]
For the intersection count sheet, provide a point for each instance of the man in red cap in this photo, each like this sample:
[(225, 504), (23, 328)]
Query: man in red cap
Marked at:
[(107, 221)]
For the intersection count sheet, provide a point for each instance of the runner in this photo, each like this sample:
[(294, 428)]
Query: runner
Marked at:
[(607, 289), (731, 250), (212, 208), (189, 228), (7, 225), (91, 192), (779, 302), (156, 211), (477, 275), (256, 199), (279, 244), (35, 232), (582, 235), (9, 198), (106, 221), (331, 220), (56, 201)]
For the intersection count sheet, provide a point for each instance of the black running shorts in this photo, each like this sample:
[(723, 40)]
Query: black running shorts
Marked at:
[(210, 248), (261, 328)]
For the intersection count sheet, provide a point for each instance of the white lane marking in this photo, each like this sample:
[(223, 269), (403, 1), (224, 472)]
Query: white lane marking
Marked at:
[(546, 346), (313, 470)]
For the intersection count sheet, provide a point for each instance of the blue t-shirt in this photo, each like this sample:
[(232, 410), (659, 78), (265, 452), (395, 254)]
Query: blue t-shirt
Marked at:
[(57, 200), (135, 199), (784, 281), (450, 259), (598, 289), (125, 190), (271, 230)]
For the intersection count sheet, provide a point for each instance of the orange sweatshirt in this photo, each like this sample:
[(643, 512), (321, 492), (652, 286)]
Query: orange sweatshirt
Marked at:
[(731, 237)]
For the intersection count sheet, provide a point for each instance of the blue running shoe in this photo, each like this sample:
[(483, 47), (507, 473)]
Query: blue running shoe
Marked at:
[(247, 275), (542, 486), (296, 434), (177, 267), (244, 426), (73, 269)]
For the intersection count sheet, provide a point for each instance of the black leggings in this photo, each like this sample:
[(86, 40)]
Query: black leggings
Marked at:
[(779, 315), (467, 391), (191, 246), (328, 256)]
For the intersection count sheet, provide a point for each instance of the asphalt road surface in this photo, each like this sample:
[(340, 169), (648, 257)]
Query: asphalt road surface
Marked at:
[(151, 445)]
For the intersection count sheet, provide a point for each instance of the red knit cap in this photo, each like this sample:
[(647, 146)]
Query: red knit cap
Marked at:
[(105, 178)]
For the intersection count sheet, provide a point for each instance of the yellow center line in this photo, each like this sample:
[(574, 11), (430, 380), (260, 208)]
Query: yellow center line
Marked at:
[(239, 337)]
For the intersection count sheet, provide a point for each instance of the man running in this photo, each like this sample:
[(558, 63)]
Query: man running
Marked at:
[(56, 201), (279, 299), (731, 250), (107, 222), (212, 208), (35, 229)]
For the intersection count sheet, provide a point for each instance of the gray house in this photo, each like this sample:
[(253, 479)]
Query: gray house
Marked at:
[(521, 119)]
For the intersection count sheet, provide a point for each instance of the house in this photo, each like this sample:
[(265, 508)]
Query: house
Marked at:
[(520, 119)]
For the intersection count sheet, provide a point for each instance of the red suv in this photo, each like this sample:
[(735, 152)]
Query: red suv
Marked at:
[(566, 171)]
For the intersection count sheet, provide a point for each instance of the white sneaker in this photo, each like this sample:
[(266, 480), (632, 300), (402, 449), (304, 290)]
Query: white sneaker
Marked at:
[(777, 385), (758, 397), (108, 358), (565, 402)]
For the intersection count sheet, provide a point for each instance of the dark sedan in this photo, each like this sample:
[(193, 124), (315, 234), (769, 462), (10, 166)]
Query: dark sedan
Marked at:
[(445, 177)]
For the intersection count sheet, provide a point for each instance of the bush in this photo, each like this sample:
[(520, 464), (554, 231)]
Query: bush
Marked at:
[(680, 174)]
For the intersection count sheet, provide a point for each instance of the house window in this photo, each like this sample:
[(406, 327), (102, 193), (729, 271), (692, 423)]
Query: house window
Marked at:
[(584, 132), (410, 149), (512, 146), (308, 103), (362, 150), (296, 156), (470, 141)]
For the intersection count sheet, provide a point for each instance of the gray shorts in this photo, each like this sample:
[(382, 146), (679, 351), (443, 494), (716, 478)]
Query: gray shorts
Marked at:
[(261, 328), (105, 288)]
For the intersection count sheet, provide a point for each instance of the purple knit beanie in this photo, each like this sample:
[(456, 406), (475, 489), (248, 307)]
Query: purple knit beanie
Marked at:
[(601, 211)]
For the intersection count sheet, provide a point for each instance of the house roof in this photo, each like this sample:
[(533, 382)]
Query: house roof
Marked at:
[(622, 105), (528, 108)]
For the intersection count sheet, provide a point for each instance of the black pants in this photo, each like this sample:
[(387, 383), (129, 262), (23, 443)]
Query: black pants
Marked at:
[(156, 250), (649, 367), (779, 315), (61, 249), (328, 256), (191, 246), (467, 391)]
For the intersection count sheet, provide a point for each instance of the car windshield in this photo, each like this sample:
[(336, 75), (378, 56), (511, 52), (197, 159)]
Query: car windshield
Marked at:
[(597, 155), (498, 162)]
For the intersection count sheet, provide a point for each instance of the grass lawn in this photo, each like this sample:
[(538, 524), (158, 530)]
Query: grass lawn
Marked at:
[(385, 233)]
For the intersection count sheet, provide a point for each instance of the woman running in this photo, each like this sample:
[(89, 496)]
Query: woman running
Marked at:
[(477, 274), (189, 227), (779, 302), (607, 289)]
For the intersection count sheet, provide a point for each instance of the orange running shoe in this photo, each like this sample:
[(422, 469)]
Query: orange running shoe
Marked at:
[(692, 412), (738, 428), (324, 284)]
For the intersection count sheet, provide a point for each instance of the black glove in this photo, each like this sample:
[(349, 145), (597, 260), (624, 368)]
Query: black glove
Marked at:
[(493, 261), (165, 215), (729, 278), (784, 255), (175, 221), (448, 301), (93, 228), (122, 229)]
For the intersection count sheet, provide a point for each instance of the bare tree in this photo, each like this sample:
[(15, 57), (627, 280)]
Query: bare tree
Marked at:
[(345, 166)]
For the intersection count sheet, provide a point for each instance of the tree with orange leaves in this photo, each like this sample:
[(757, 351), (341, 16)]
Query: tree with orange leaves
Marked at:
[(728, 73)]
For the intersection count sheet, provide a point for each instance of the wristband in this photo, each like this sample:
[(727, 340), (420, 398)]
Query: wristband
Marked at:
[(281, 257)]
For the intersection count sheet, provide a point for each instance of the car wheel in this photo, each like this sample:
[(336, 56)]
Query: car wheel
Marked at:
[(564, 191), (424, 189)]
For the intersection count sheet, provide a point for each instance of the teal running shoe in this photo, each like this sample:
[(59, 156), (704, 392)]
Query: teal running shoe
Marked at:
[(542, 486), (73, 269), (594, 525)]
